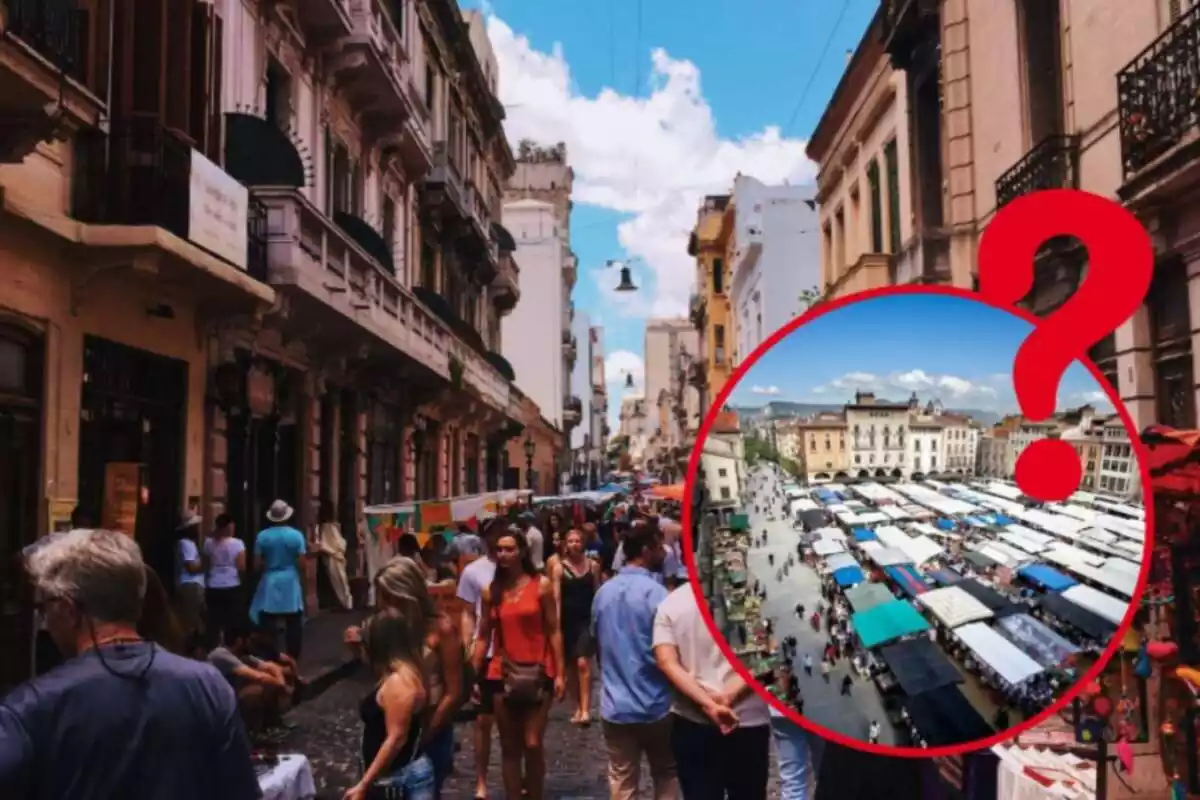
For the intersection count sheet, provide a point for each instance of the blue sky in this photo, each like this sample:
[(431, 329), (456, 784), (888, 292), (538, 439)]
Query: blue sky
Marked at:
[(955, 350), (660, 103)]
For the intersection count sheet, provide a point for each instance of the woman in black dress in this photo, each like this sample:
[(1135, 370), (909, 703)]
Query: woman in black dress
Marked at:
[(576, 578)]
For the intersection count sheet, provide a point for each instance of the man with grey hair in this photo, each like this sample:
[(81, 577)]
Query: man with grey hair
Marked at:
[(121, 717)]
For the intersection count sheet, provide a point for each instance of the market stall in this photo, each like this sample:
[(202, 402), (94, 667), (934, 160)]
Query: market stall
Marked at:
[(943, 717), (1096, 601), (887, 622), (865, 596), (919, 665), (954, 607), (997, 602), (1036, 640), (1092, 625), (997, 653), (908, 579), (1046, 577)]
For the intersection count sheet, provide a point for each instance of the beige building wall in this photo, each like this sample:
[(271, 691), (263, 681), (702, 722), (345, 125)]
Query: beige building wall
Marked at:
[(824, 449), (869, 111)]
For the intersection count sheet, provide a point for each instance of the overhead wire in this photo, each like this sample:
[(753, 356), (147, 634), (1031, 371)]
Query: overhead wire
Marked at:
[(812, 76)]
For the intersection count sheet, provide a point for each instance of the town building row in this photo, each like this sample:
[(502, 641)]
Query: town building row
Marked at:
[(285, 253), (950, 109)]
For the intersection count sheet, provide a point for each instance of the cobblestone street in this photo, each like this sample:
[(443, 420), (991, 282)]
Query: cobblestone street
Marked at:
[(327, 731)]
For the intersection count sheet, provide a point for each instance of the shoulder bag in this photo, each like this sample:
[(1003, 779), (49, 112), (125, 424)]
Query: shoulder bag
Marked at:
[(523, 684)]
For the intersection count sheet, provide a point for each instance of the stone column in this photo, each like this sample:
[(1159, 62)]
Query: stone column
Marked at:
[(217, 468), (310, 458), (1135, 368), (958, 142)]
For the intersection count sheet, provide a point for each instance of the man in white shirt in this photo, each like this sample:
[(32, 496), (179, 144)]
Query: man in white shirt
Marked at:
[(475, 577), (721, 731), (535, 540)]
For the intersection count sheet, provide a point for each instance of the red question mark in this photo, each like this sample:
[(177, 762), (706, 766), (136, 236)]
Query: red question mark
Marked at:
[(1120, 266)]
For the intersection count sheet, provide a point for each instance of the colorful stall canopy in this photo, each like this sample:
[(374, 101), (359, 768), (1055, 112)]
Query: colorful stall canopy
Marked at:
[(673, 492), (920, 665), (945, 524), (944, 577), (944, 717), (864, 535), (839, 561), (887, 622), (1173, 460), (739, 522), (1046, 577), (866, 596), (1037, 640), (848, 576), (908, 579)]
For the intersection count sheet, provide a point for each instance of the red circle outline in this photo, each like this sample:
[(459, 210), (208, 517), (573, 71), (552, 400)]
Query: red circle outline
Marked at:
[(847, 741)]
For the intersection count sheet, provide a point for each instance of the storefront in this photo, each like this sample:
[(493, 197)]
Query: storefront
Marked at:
[(21, 353), (131, 445)]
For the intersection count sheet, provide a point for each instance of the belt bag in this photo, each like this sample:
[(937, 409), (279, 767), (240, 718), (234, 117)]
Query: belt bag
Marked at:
[(524, 684)]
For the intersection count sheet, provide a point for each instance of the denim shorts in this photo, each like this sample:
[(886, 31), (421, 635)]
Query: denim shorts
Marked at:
[(413, 781)]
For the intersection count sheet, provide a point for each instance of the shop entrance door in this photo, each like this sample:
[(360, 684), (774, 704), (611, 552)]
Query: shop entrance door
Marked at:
[(263, 468), (131, 440), (20, 431)]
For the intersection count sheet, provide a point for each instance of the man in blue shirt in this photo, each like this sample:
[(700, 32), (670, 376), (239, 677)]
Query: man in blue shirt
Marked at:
[(635, 700), (121, 717)]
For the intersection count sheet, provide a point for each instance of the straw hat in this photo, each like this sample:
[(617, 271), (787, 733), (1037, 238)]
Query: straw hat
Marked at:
[(279, 512)]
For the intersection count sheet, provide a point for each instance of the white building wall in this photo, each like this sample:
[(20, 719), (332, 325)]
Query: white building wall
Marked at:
[(581, 378), (926, 451), (722, 462), (532, 333), (778, 256), (878, 438)]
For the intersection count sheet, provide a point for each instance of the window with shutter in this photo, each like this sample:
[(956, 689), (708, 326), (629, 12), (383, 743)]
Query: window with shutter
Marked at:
[(205, 111)]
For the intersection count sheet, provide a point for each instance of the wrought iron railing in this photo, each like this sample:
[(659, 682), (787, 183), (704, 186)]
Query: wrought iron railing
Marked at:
[(1053, 163), (1158, 93), (54, 28), (139, 173), (256, 240)]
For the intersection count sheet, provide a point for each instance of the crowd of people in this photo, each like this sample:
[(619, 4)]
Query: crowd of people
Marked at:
[(540, 599)]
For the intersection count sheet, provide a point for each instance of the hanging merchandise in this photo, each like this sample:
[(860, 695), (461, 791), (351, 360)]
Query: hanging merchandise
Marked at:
[(1142, 667)]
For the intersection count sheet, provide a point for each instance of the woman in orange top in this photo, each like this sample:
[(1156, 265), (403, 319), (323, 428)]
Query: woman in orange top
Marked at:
[(521, 642)]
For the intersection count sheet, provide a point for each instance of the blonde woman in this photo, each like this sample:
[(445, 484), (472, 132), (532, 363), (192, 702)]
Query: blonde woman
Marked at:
[(395, 712), (401, 585)]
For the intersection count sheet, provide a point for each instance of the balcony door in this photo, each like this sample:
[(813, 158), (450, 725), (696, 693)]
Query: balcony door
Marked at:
[(1041, 41), (1171, 346)]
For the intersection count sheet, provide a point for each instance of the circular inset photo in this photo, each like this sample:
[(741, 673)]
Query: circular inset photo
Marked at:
[(867, 551)]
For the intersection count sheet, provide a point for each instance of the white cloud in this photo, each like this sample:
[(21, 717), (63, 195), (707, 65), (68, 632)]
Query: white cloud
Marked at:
[(950, 389), (1095, 398), (652, 157), (767, 390)]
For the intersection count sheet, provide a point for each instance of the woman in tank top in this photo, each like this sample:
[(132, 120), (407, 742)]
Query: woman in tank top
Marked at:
[(576, 578), (225, 557), (520, 608), (402, 585), (394, 712)]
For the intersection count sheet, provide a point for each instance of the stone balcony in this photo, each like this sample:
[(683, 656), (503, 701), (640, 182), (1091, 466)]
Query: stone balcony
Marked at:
[(330, 271), (572, 411), (44, 80)]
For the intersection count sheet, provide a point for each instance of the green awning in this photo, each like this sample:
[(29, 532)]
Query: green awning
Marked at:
[(866, 596), (737, 578), (739, 522), (887, 622)]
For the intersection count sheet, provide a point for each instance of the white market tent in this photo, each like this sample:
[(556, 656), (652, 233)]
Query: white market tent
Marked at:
[(1002, 656), (895, 512), (936, 485), (870, 546), (922, 549), (918, 512), (848, 518), (804, 504), (991, 502), (1121, 509), (1074, 511), (1064, 555), (1002, 490), (837, 508), (1057, 524), (892, 536), (1130, 529), (827, 547), (1096, 601), (872, 518), (925, 529), (839, 560), (947, 506), (888, 556), (1115, 573), (1002, 554), (1136, 549), (954, 606), (835, 487), (835, 534), (1021, 543)]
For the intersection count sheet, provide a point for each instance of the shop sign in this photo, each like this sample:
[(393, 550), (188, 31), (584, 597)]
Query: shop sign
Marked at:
[(260, 392), (122, 496), (218, 211)]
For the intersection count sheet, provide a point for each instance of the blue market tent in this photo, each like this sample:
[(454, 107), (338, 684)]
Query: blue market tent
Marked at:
[(848, 576), (864, 535), (1046, 577), (887, 622), (908, 579), (1003, 520), (978, 522), (944, 577), (945, 524)]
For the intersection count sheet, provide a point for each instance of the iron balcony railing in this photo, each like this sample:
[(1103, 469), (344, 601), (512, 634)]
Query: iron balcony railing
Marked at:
[(1053, 163), (1158, 93), (54, 28)]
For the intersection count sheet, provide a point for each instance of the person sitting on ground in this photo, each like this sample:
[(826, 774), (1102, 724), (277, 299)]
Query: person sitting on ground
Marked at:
[(262, 690), (263, 644)]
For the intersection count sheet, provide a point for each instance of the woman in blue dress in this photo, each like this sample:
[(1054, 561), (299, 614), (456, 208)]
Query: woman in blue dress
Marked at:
[(278, 553)]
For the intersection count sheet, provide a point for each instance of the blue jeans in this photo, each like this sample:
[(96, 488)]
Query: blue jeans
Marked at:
[(413, 781), (799, 758), (440, 750)]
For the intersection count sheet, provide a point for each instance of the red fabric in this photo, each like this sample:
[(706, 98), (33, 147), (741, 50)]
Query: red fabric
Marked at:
[(1173, 460), (523, 632)]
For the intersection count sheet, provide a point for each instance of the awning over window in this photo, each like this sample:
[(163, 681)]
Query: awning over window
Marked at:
[(503, 238), (259, 153), (367, 238)]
